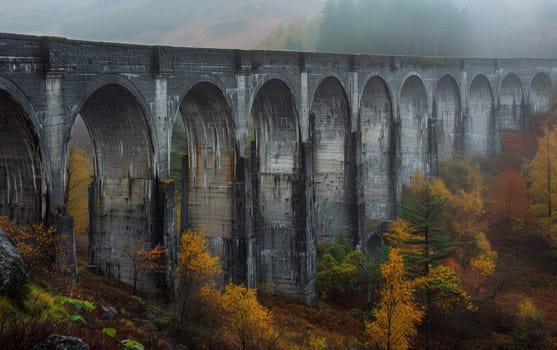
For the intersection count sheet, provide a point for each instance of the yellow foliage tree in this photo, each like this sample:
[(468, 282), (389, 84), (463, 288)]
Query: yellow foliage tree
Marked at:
[(444, 287), (530, 330), (426, 246), (397, 314), (484, 263), (196, 268), (246, 320), (79, 169), (542, 175)]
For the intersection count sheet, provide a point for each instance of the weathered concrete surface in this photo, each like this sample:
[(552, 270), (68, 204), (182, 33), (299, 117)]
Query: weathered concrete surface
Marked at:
[(480, 118), (415, 127), (210, 186), (540, 94), (21, 173), (66, 254), (336, 137), (123, 202), (333, 174), (277, 233), (512, 113), (447, 129), (379, 149)]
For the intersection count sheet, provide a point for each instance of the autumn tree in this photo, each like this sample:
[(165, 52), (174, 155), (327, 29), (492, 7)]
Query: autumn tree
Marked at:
[(422, 209), (79, 169), (196, 268), (143, 260), (509, 210), (397, 314), (542, 176), (425, 247), (335, 278), (343, 271), (530, 330), (248, 323), (464, 221), (38, 245)]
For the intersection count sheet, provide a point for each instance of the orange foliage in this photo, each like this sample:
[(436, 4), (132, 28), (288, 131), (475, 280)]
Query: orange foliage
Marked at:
[(518, 143), (79, 169), (509, 211), (145, 260), (37, 244)]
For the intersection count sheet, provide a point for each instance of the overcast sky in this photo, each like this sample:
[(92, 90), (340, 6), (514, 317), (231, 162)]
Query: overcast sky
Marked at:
[(174, 21)]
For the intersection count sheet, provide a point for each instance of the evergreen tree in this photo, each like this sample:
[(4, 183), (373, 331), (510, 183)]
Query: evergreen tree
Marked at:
[(419, 235)]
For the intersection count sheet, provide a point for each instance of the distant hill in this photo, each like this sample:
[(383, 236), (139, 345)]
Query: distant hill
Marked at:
[(239, 24), (213, 23)]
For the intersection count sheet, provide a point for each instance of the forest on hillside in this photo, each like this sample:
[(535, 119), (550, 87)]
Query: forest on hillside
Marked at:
[(418, 27)]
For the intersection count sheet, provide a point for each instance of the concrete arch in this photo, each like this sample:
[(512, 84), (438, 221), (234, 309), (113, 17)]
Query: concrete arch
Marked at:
[(123, 195), (379, 145), (413, 115), (270, 77), (189, 85), (541, 94), (274, 108), (333, 163), (279, 196), (22, 175), (479, 129), (130, 87), (511, 105), (209, 190), (376, 75), (413, 75), (447, 116), (329, 76), (21, 99)]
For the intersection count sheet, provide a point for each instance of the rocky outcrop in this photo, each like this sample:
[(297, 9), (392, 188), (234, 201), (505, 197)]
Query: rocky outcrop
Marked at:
[(60, 342), (12, 267), (109, 312)]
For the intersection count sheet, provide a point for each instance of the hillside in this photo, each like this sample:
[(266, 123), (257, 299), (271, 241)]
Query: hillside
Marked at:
[(215, 23)]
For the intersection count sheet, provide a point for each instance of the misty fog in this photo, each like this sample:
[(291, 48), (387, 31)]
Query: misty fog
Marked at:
[(496, 28)]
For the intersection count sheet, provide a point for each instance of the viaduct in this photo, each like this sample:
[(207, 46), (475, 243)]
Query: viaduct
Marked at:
[(284, 148)]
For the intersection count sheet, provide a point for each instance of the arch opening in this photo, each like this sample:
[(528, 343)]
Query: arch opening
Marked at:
[(333, 166), (512, 108), (279, 190), (203, 159), (448, 128), (22, 180), (379, 145), (479, 135), (541, 95), (122, 194), (79, 172), (414, 130)]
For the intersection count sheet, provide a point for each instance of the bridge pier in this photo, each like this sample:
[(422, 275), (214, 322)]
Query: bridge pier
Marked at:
[(170, 239), (57, 136)]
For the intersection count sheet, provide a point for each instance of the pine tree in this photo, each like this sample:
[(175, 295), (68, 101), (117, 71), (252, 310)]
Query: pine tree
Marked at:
[(425, 248)]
